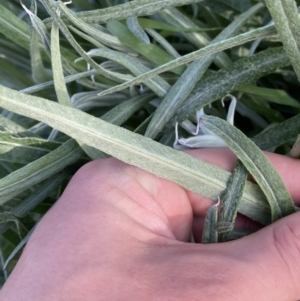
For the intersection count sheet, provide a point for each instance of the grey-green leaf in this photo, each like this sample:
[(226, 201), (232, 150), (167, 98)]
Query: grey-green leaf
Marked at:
[(210, 231), (223, 82), (23, 150), (287, 22), (256, 163), (119, 12), (230, 201), (187, 81), (193, 174)]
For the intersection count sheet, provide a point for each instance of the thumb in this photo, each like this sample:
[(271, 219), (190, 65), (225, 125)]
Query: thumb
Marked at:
[(269, 261)]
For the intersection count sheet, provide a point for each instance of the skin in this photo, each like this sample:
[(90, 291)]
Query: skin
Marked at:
[(119, 233)]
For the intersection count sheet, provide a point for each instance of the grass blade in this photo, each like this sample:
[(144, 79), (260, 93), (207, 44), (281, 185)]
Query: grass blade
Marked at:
[(287, 23), (187, 81), (111, 75), (210, 231), (193, 174), (149, 51), (230, 201), (158, 85), (98, 35), (134, 26), (278, 134), (199, 39), (39, 170), (14, 28), (58, 74), (272, 95), (120, 12), (223, 82), (23, 150), (256, 163), (35, 198), (210, 49), (17, 248)]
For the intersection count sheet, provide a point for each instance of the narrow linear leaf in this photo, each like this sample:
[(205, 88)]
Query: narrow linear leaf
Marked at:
[(23, 150), (210, 49), (134, 26), (163, 42), (150, 51), (120, 113), (278, 134), (100, 36), (39, 195), (200, 39), (272, 95), (154, 24), (256, 163), (158, 85), (187, 81), (223, 82), (14, 28), (210, 231), (17, 249), (39, 170), (230, 201), (12, 127), (287, 22), (260, 106), (68, 79), (39, 73), (58, 74), (35, 198), (120, 12), (111, 75), (195, 175)]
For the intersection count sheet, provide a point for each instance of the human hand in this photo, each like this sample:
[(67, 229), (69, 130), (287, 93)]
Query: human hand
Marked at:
[(119, 233)]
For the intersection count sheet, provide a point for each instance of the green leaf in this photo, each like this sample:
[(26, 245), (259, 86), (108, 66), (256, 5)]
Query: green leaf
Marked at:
[(17, 249), (157, 84), (111, 75), (210, 231), (210, 49), (154, 24), (91, 31), (120, 113), (278, 134), (12, 71), (223, 82), (39, 73), (14, 28), (35, 198), (199, 39), (240, 5), (68, 79), (134, 26), (192, 174), (256, 163), (12, 127), (39, 195), (188, 80), (272, 95), (23, 150), (230, 201), (39, 170), (150, 51), (119, 12), (287, 22), (58, 74)]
